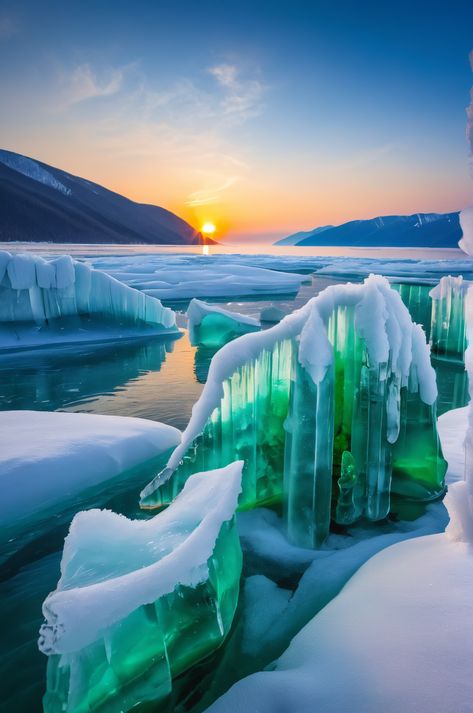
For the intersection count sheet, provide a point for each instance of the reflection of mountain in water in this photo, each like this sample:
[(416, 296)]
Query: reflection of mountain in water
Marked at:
[(56, 379)]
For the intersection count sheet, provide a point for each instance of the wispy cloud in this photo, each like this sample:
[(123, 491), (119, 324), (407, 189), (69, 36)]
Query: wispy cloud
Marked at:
[(469, 114), (242, 96), (211, 194), (84, 83)]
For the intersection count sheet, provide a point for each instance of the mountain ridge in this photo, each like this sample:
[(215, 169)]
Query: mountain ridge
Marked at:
[(41, 203), (429, 230)]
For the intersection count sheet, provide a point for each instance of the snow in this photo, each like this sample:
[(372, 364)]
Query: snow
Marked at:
[(387, 327), (36, 295), (33, 170), (48, 460), (466, 224), (399, 637), (198, 310), (146, 559), (452, 427), (179, 278)]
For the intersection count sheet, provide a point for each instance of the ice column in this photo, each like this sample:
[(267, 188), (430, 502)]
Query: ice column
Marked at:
[(332, 410)]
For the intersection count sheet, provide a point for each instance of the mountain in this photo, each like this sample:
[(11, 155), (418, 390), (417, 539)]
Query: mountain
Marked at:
[(42, 203), (422, 230), (296, 238)]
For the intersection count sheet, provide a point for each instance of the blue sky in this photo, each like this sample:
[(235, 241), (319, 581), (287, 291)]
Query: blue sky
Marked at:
[(265, 117)]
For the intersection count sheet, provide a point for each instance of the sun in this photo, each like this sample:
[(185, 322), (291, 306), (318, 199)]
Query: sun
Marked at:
[(208, 228)]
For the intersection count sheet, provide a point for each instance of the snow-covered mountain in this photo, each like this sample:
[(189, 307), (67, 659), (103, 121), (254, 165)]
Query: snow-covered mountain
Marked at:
[(421, 230), (42, 203)]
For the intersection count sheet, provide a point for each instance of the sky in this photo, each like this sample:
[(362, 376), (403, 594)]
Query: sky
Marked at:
[(264, 118)]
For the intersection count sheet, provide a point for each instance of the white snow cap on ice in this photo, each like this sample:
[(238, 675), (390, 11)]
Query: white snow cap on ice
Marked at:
[(134, 562)]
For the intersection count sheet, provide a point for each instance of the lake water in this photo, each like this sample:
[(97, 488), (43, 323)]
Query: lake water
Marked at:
[(155, 379)]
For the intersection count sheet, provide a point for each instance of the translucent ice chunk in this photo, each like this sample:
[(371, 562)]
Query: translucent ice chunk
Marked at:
[(138, 602), (42, 292), (212, 326), (349, 371)]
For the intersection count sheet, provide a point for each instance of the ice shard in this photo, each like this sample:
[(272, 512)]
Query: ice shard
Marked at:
[(349, 372), (51, 292), (211, 326), (447, 334), (139, 602)]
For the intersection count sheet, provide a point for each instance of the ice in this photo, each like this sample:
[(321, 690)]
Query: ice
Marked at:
[(460, 495), (272, 314), (139, 602), (212, 326), (50, 460), (447, 334), (347, 373), (176, 279), (40, 297)]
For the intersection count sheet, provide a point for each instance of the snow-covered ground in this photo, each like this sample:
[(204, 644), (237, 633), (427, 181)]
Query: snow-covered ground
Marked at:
[(51, 461)]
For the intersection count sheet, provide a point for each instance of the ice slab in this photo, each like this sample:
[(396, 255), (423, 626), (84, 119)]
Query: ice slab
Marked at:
[(40, 299), (179, 278), (49, 461), (349, 372), (138, 602), (212, 326)]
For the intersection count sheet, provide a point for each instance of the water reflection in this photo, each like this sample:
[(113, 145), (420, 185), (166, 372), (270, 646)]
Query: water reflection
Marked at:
[(131, 379)]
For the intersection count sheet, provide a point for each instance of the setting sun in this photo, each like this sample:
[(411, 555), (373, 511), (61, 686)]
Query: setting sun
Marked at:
[(208, 228)]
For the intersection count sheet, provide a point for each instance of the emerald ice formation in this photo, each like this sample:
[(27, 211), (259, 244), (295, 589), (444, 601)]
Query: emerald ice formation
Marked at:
[(332, 411), (140, 601), (212, 326), (41, 291), (441, 311)]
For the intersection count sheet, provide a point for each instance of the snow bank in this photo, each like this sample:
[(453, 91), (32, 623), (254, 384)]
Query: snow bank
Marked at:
[(213, 326), (399, 637), (36, 290), (466, 224), (133, 562), (49, 460)]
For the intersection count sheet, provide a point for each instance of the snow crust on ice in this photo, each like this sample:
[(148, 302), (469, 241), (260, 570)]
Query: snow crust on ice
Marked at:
[(382, 319), (33, 170), (399, 637), (146, 559), (198, 310), (181, 278), (47, 457), (36, 290)]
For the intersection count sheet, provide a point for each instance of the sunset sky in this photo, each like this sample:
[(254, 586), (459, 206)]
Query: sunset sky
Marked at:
[(262, 117)]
